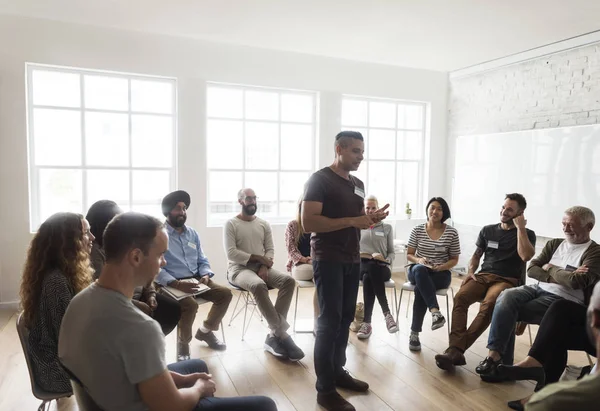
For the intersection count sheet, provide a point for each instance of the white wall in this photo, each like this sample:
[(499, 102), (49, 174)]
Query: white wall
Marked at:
[(192, 63)]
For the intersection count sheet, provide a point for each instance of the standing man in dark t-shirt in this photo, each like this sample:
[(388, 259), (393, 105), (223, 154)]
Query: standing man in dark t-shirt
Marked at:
[(333, 209), (507, 247)]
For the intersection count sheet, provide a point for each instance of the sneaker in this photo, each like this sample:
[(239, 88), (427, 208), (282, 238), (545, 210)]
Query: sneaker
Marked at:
[(488, 366), (345, 380), (413, 342), (364, 331), (275, 346), (437, 320), (333, 401), (183, 352), (211, 339), (390, 323), (294, 353)]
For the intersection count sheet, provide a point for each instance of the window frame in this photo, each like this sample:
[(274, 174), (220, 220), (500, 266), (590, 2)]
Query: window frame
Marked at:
[(314, 123), (35, 218), (394, 216)]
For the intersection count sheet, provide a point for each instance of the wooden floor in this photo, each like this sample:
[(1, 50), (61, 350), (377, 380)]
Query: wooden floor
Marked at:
[(399, 378)]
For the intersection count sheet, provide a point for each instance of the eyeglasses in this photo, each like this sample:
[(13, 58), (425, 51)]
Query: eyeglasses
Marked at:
[(251, 198)]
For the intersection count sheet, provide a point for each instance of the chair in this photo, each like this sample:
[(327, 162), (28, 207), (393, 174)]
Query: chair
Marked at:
[(84, 400), (389, 285), (443, 292), (248, 300), (38, 392), (301, 284)]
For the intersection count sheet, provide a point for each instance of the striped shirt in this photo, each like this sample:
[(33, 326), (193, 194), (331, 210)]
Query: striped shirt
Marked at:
[(435, 251)]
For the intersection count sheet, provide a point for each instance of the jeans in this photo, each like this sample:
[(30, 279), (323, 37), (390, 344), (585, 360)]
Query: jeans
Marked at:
[(374, 277), (253, 403), (337, 288), (527, 303), (563, 328), (427, 282)]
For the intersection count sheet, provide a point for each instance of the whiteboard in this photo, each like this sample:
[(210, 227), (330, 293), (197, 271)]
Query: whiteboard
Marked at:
[(553, 168)]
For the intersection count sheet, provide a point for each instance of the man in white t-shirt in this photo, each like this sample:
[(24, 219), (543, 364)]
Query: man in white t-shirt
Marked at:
[(566, 269)]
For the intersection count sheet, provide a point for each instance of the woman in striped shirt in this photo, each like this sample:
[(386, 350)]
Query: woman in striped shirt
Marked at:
[(433, 249)]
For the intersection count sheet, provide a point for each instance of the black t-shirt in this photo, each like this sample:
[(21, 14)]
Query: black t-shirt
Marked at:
[(500, 247), (340, 198)]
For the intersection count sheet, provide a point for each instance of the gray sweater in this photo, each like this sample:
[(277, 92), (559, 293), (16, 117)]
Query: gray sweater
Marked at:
[(379, 239)]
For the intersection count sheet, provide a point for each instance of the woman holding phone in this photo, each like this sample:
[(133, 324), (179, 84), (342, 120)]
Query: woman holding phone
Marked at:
[(433, 249)]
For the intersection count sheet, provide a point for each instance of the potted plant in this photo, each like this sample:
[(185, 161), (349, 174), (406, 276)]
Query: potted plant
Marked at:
[(408, 211)]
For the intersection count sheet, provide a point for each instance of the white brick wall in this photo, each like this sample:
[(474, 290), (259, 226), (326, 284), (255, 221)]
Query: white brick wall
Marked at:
[(553, 91)]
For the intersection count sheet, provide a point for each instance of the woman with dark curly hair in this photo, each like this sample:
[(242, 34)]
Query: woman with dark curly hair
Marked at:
[(57, 268)]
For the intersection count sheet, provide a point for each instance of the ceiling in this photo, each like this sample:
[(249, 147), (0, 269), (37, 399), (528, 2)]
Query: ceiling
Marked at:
[(441, 35)]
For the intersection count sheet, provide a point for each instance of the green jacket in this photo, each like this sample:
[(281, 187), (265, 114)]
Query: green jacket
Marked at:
[(575, 281)]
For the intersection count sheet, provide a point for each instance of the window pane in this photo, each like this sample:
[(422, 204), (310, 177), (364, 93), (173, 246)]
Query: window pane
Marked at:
[(152, 96), (262, 105), (223, 186), (150, 186), (225, 102), (381, 177), (361, 173), (57, 137), (60, 190), (151, 209), (224, 144), (109, 93), (382, 114), (407, 191), (106, 139), (296, 147), (51, 88), (297, 108), (381, 145), (410, 145), (262, 146), (152, 141), (354, 113), (265, 187), (410, 116), (108, 185), (292, 185)]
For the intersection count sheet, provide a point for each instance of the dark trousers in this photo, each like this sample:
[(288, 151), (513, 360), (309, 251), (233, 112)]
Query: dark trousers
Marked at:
[(253, 403), (167, 313), (374, 277), (427, 282), (563, 328), (337, 288)]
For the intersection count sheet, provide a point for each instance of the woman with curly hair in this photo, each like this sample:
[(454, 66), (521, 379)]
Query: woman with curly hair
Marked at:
[(57, 268)]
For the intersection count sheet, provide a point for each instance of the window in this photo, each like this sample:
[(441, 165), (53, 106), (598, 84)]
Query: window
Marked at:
[(259, 138), (96, 135), (394, 131)]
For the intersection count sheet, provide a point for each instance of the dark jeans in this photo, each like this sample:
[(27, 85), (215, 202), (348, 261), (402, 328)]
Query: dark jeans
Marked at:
[(167, 313), (526, 303), (374, 277), (427, 282), (254, 403), (337, 288), (563, 328)]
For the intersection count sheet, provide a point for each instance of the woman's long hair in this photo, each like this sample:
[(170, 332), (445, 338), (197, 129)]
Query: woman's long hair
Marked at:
[(58, 245), (99, 215), (300, 230)]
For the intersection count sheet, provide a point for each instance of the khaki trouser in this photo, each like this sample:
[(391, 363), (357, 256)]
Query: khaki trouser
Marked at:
[(485, 288), (246, 278)]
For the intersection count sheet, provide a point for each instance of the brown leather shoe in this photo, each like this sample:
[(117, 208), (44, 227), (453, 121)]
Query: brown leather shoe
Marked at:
[(450, 358)]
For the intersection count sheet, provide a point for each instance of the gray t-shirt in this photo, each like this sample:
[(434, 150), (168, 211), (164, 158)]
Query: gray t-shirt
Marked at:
[(110, 346)]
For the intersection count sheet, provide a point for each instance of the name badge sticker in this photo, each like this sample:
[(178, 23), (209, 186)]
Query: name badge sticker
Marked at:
[(492, 244), (193, 245), (570, 268), (440, 248), (379, 233), (359, 192)]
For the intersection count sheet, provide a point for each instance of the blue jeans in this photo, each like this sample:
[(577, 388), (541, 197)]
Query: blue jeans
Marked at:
[(427, 282), (253, 403), (526, 303), (337, 289)]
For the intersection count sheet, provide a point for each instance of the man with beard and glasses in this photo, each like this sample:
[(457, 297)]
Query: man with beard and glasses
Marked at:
[(333, 210), (249, 247), (185, 260)]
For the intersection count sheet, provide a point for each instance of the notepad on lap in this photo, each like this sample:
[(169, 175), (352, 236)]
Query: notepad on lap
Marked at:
[(179, 295)]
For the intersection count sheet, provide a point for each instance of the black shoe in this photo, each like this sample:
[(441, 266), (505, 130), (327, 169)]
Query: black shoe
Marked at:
[(494, 377), (536, 374), (275, 346), (211, 339), (333, 401), (345, 380), (487, 366), (515, 405), (294, 353), (437, 321)]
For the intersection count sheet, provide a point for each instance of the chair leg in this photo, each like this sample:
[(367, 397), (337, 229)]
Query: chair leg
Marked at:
[(396, 302), (223, 332), (448, 314), (233, 313), (408, 305), (530, 339), (398, 306), (590, 360), (296, 307), (43, 406), (245, 313)]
